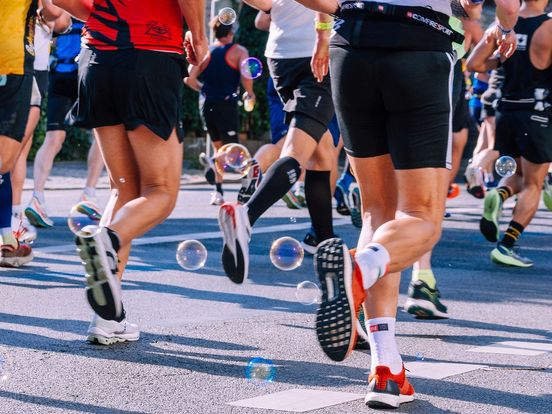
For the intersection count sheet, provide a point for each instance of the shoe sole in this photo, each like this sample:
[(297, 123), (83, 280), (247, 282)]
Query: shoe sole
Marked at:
[(488, 225), (102, 288), (92, 213), (308, 248), (233, 263), (334, 320), (424, 309), (501, 259), (15, 262), (383, 400), (97, 338), (36, 219)]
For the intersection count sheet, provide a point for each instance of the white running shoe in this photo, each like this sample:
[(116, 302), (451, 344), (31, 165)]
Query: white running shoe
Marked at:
[(24, 230), (475, 182), (37, 214), (100, 260), (106, 332), (236, 232), (216, 199)]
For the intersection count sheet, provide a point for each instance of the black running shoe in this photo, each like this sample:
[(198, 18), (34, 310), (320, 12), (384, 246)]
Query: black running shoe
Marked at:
[(424, 302), (310, 243)]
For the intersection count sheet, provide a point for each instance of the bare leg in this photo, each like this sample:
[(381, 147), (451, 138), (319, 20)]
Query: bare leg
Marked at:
[(459, 140), (95, 165), (9, 150), (529, 196), (268, 154), (45, 158)]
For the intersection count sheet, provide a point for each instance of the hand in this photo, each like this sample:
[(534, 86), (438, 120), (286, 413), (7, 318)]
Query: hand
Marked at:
[(196, 50), (506, 43), (321, 58), (251, 96), (472, 8)]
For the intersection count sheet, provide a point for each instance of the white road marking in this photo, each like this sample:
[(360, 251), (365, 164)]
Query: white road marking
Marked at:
[(298, 400), (438, 370), (189, 236), (515, 348)]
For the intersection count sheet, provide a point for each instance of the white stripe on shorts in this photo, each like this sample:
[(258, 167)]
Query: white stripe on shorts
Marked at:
[(452, 58)]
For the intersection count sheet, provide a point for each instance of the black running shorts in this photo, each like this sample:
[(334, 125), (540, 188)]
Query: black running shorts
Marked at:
[(221, 120), (15, 98), (524, 133), (394, 102), (62, 94), (302, 94), (130, 87), (461, 114)]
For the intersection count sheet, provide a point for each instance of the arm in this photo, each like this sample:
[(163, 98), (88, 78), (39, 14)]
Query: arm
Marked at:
[(192, 80), (321, 53), (262, 21), (195, 40), (481, 59), (323, 6), (541, 46), (264, 5), (81, 9), (62, 23), (246, 82), (507, 12)]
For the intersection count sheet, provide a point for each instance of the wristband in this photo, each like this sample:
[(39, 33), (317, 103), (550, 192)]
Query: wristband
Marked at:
[(324, 25), (503, 31)]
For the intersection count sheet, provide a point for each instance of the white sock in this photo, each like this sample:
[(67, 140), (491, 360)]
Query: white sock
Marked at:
[(17, 210), (373, 262), (8, 237), (90, 192), (39, 195), (383, 345)]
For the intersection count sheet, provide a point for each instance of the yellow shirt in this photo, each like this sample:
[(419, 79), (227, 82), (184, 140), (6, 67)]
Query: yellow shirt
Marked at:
[(17, 36)]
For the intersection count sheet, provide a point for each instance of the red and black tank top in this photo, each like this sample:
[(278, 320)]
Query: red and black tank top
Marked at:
[(135, 24)]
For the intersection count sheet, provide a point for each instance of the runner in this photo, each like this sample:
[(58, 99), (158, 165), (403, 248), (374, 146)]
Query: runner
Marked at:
[(131, 70), (308, 145), (16, 83), (218, 81), (391, 82), (523, 131), (62, 94)]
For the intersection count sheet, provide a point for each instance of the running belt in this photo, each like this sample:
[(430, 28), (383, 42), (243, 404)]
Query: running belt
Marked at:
[(416, 15)]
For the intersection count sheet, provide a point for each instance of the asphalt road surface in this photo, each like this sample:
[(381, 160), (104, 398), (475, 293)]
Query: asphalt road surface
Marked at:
[(199, 330)]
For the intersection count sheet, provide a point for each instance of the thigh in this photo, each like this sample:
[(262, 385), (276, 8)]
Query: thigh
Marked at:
[(417, 97), (358, 101), (537, 136), (533, 174)]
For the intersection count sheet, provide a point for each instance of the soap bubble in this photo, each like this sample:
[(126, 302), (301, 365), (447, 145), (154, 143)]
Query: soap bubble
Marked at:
[(84, 219), (191, 255), (227, 16), (260, 371), (505, 166), (286, 253), (308, 293), (232, 158), (251, 68)]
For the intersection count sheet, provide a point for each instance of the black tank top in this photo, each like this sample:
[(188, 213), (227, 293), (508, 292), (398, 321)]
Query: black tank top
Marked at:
[(220, 80), (521, 78)]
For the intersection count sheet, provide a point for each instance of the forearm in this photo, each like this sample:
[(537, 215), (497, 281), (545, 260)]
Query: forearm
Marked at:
[(194, 14), (323, 26), (193, 83), (507, 12), (247, 85), (80, 9), (62, 23), (264, 5), (481, 59)]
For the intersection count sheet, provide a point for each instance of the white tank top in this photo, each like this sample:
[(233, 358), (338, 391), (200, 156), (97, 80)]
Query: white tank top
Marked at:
[(442, 6), (42, 48), (291, 33)]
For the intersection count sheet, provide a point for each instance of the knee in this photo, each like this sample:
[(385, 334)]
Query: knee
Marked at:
[(165, 198)]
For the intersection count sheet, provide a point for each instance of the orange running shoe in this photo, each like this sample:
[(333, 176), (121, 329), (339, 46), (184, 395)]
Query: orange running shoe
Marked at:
[(386, 390), (342, 296), (453, 191)]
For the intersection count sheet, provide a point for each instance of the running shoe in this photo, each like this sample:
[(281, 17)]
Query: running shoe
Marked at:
[(342, 297), (236, 233), (24, 231), (100, 260), (106, 332), (341, 197), (310, 242), (355, 206), (386, 390), (209, 166), (474, 181), (15, 256), (492, 210), (299, 193), (89, 206), (37, 215), (291, 200), (216, 199), (250, 182), (547, 192), (424, 302), (509, 256), (453, 191)]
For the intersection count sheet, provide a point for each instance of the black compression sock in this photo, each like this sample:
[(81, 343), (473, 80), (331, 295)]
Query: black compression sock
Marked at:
[(504, 193), (219, 188), (512, 234), (277, 181), (319, 202)]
